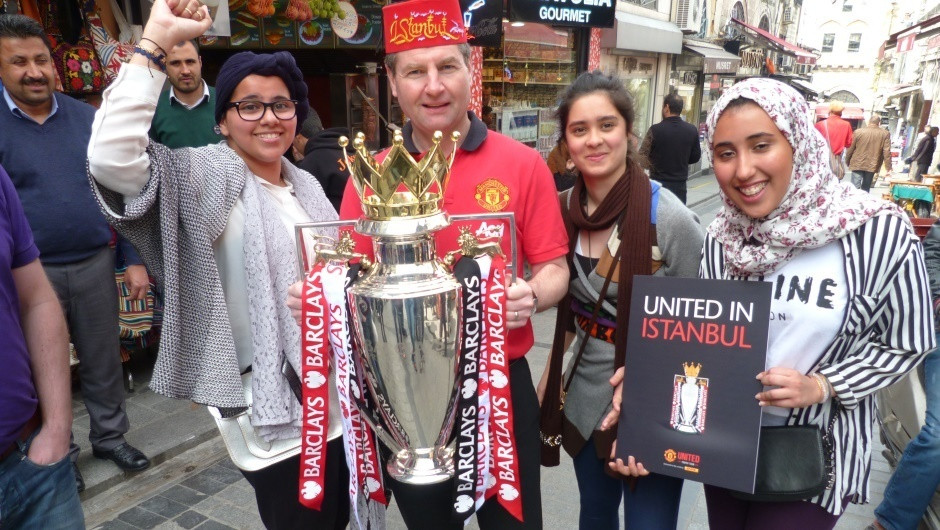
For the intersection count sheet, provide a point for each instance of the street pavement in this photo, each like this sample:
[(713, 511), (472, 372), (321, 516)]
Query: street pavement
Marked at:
[(193, 484)]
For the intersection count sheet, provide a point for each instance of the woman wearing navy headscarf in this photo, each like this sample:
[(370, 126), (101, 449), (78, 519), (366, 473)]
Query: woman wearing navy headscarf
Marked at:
[(215, 226)]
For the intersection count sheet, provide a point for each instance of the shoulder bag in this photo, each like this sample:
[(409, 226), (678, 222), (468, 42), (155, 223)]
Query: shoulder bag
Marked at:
[(248, 451), (835, 161), (794, 463)]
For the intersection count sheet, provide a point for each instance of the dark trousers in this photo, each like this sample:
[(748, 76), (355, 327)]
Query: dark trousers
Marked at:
[(649, 502), (867, 177), (429, 507), (729, 513), (276, 490), (676, 187), (919, 170), (88, 295)]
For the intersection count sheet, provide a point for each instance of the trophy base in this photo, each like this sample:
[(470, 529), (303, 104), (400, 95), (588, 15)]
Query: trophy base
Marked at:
[(422, 466), (687, 428)]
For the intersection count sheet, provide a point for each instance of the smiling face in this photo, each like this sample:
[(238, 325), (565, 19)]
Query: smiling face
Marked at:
[(753, 161), (260, 143), (184, 68), (27, 73), (596, 135), (433, 88)]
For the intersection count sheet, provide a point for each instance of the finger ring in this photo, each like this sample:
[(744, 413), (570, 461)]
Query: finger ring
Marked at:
[(186, 9), (517, 315)]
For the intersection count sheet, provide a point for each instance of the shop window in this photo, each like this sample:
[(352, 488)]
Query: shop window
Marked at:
[(855, 40), (522, 81), (829, 40)]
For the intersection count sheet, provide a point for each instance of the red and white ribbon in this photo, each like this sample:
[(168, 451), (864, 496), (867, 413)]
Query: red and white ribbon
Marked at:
[(485, 480), (505, 467), (315, 371), (361, 456)]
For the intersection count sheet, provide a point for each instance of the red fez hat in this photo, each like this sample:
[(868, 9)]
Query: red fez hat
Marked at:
[(422, 24)]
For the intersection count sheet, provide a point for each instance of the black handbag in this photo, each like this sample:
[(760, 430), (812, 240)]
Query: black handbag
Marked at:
[(794, 463)]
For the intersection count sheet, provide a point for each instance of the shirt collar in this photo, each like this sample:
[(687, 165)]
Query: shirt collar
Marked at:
[(18, 112), (205, 96), (475, 135)]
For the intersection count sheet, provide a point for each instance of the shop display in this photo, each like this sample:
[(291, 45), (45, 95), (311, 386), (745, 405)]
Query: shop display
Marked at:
[(280, 24), (316, 34), (280, 31), (362, 25)]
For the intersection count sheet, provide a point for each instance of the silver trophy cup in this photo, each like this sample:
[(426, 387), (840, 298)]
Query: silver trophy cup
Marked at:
[(405, 310)]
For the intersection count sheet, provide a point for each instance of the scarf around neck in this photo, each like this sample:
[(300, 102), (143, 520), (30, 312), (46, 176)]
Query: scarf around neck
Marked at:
[(816, 209), (271, 266), (628, 202)]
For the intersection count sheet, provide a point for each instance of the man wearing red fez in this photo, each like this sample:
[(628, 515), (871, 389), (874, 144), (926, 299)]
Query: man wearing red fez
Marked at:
[(428, 69)]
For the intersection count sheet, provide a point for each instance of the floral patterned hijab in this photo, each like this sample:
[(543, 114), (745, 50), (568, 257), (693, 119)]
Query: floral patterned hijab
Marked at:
[(817, 208)]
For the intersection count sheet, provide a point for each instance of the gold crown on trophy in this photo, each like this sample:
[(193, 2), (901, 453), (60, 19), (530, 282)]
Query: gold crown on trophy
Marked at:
[(399, 186), (692, 369)]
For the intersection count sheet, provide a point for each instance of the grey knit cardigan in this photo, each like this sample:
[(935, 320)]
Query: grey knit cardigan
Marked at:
[(180, 212)]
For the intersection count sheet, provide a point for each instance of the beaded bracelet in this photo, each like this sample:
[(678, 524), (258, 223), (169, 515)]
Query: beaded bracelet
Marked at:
[(157, 59), (818, 377)]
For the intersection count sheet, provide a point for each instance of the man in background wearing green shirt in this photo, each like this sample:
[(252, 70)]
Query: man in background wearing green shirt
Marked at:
[(185, 115)]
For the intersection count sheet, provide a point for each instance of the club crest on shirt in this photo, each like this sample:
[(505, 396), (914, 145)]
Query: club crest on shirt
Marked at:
[(492, 195)]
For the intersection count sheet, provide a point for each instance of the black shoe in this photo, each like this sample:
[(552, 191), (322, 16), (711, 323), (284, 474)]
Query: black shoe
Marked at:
[(126, 456), (79, 481)]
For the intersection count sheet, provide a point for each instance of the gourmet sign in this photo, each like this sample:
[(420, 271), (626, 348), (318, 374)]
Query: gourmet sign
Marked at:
[(576, 13)]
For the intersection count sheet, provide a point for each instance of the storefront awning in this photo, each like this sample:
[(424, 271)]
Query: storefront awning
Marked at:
[(717, 61), (782, 45), (805, 86), (902, 91), (644, 34), (851, 111)]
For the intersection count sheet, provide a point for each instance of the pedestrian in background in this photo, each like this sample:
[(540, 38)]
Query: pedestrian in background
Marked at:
[(917, 476), (184, 116), (923, 154), (216, 224), (871, 147), (37, 485), (322, 157), (611, 215), (787, 219), (670, 146), (837, 132), (43, 146)]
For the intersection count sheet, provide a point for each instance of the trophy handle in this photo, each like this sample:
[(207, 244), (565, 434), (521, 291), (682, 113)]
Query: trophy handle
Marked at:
[(312, 245), (510, 217)]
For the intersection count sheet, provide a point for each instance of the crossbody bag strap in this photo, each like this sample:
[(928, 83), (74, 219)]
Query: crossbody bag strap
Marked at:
[(593, 321), (829, 447)]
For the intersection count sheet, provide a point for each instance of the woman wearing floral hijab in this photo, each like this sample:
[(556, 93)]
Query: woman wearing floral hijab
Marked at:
[(850, 312)]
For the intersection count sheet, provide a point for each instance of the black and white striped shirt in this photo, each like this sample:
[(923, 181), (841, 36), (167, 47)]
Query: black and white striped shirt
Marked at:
[(887, 329)]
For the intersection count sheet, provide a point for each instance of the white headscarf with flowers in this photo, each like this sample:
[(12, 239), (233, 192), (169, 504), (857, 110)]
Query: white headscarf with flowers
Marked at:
[(817, 207)]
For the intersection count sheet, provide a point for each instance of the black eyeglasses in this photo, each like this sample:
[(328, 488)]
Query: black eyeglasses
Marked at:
[(253, 110)]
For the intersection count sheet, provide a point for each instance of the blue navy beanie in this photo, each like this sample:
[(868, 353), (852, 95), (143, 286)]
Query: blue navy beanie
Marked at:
[(243, 64)]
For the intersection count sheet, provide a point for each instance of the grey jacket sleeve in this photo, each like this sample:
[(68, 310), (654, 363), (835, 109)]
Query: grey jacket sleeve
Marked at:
[(932, 258), (679, 235)]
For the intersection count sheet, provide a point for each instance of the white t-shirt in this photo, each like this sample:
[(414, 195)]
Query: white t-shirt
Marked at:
[(807, 307)]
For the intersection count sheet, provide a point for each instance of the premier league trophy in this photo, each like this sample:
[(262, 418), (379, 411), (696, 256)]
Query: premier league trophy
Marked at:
[(690, 397), (404, 311)]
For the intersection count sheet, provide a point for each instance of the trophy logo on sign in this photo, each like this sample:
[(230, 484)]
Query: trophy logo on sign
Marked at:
[(405, 310), (689, 400)]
